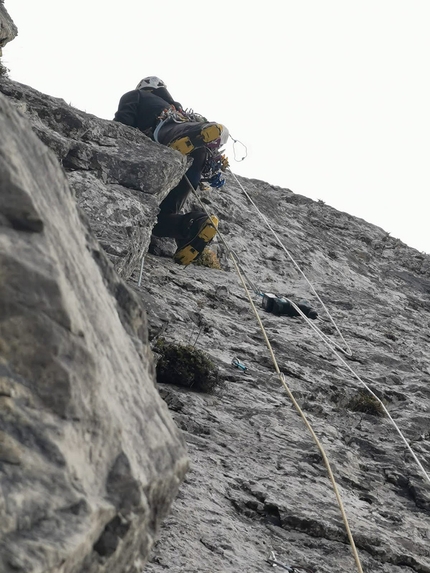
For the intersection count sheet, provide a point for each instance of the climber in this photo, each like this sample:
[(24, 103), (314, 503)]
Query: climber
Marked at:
[(151, 109)]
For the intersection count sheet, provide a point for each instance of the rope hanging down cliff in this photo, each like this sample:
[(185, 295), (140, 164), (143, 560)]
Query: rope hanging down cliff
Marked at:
[(291, 396), (332, 345), (329, 344), (306, 422)]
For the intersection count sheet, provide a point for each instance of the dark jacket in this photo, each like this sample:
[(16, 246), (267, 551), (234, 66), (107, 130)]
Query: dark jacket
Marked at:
[(141, 108)]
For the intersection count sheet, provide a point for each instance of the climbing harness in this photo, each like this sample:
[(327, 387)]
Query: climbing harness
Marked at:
[(169, 115)]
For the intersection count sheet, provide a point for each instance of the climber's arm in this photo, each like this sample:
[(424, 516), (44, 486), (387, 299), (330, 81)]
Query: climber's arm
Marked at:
[(128, 108), (165, 94)]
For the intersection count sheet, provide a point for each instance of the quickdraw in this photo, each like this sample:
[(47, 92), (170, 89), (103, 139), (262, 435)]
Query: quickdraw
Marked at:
[(216, 163), (193, 116), (238, 364)]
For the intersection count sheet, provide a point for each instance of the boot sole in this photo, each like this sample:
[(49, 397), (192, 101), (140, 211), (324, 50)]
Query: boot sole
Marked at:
[(188, 253), (188, 143)]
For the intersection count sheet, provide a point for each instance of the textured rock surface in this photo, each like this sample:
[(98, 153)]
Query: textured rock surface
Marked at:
[(90, 458), (8, 30), (118, 174), (257, 482)]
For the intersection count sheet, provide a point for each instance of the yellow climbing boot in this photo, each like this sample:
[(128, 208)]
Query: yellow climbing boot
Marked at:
[(201, 234), (198, 135)]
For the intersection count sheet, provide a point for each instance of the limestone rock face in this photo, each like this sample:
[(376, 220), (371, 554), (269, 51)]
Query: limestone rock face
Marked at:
[(118, 174), (89, 456), (8, 30), (257, 483)]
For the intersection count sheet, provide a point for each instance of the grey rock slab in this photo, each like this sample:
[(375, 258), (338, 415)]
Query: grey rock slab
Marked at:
[(90, 458), (257, 482)]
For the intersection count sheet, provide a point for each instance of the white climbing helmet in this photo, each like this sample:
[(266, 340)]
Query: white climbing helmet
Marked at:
[(150, 82)]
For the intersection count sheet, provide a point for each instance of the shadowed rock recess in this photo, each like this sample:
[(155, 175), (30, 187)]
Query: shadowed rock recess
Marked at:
[(89, 459)]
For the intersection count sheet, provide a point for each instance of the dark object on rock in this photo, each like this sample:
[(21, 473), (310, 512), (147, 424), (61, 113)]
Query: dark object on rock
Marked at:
[(364, 402), (282, 306), (268, 301), (238, 364), (185, 366)]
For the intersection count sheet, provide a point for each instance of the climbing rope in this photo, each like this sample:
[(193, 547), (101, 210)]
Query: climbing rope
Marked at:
[(332, 345), (290, 394), (347, 350), (305, 420)]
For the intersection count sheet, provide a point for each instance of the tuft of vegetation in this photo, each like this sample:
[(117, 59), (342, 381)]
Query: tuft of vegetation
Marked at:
[(208, 258), (185, 366), (366, 403), (4, 71)]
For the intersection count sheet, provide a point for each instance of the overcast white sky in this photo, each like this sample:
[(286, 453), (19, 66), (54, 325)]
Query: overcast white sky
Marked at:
[(331, 97)]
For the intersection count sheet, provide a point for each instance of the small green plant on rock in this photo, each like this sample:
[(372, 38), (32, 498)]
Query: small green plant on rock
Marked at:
[(208, 259), (185, 366), (366, 403)]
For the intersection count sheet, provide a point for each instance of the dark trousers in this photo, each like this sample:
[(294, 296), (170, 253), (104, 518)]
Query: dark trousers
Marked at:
[(171, 223)]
